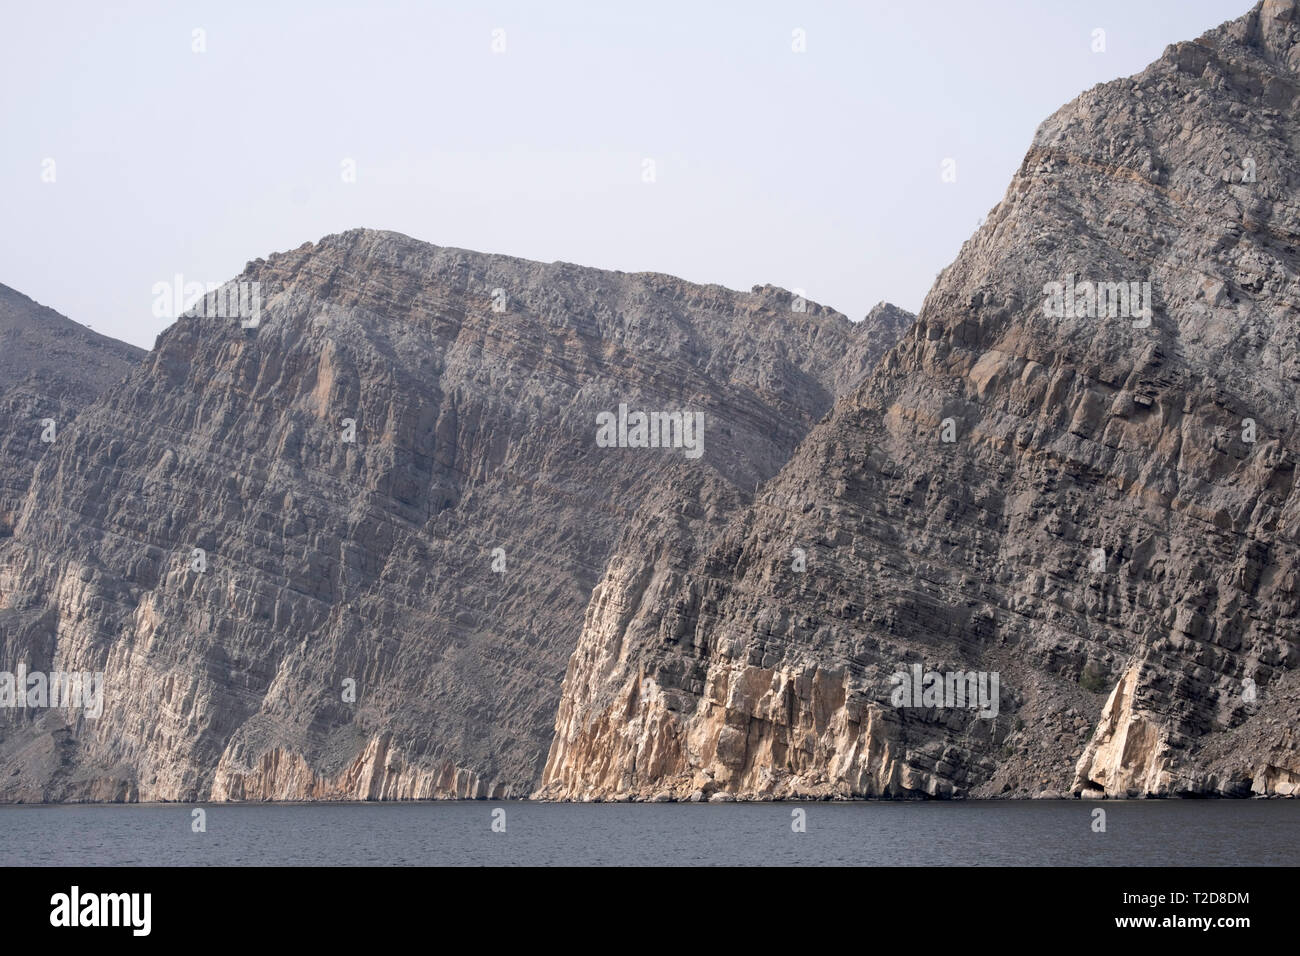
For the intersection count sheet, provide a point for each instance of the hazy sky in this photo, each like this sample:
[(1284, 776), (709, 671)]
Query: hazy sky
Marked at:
[(818, 171)]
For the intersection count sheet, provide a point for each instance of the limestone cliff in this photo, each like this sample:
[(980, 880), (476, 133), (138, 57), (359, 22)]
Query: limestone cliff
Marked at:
[(1082, 499), (345, 552)]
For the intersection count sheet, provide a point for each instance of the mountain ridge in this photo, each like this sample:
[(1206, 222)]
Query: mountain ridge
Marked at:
[(208, 536), (1077, 503)]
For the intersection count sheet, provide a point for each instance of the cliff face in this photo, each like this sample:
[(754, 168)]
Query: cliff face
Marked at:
[(50, 368), (1099, 509), (345, 553)]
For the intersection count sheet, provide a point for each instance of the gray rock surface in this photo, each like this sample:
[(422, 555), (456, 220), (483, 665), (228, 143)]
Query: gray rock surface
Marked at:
[(1100, 532), (474, 382), (50, 367)]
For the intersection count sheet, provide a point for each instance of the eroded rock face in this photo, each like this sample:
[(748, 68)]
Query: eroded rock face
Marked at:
[(1126, 752), (50, 368), (283, 613), (1082, 504), (873, 337)]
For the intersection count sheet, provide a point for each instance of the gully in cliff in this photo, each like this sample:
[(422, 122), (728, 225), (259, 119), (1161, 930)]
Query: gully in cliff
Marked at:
[(651, 430)]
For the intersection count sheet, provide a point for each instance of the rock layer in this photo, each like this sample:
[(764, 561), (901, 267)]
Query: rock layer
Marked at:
[(280, 543), (50, 368), (1082, 504)]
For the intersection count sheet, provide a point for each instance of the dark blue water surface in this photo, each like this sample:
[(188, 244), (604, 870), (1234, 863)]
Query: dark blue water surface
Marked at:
[(1138, 833)]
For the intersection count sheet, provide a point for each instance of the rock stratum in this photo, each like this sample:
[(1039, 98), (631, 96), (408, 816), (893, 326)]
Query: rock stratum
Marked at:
[(377, 547), (50, 368), (1102, 510), (344, 553)]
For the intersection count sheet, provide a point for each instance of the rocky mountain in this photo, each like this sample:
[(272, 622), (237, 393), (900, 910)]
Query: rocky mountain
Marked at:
[(1075, 474), (344, 550), (50, 367), (874, 336)]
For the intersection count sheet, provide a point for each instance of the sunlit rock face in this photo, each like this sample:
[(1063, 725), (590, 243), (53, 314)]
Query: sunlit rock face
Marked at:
[(1076, 471)]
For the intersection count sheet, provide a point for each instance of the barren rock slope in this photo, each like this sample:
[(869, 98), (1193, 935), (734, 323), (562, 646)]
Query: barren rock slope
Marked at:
[(280, 544), (50, 368), (1100, 509)]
